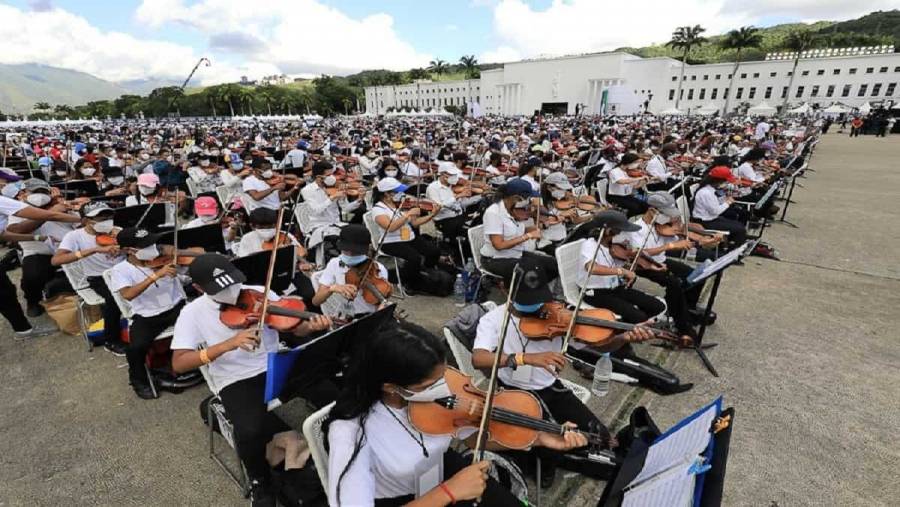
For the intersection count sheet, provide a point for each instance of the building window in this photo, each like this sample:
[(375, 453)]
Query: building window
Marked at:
[(751, 95), (799, 92), (719, 76), (674, 78), (862, 90), (681, 95), (784, 92), (671, 94), (813, 93), (880, 71), (830, 91), (890, 89), (876, 89), (773, 74), (729, 76), (715, 92), (743, 76), (820, 72), (693, 78), (684, 78), (836, 72), (701, 97), (725, 93), (869, 70), (690, 97), (739, 94), (804, 73), (705, 78), (846, 91), (768, 94), (897, 69), (852, 71), (755, 75), (790, 73)]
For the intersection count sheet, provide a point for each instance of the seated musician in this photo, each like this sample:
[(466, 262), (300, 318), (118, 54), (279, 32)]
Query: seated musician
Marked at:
[(400, 230), (204, 173), (325, 204), (495, 160), (388, 169), (377, 457), (409, 170), (451, 219), (155, 295), (658, 168), (534, 365), (113, 183), (81, 246), (354, 243), (752, 175), (237, 360), (605, 288), (506, 237), (369, 162), (260, 193), (622, 187), (149, 190), (296, 157), (557, 188), (713, 207)]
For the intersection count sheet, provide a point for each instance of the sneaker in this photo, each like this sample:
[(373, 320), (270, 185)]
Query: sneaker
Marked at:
[(34, 311), (35, 331), (115, 348), (261, 495), (143, 391)]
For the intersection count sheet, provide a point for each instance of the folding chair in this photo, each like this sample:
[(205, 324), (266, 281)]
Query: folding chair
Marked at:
[(224, 194), (567, 257), (375, 233), (192, 187), (476, 241), (602, 186), (315, 438), (303, 221), (86, 296)]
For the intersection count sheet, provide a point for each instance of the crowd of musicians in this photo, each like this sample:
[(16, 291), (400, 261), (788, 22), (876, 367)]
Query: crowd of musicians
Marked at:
[(643, 196)]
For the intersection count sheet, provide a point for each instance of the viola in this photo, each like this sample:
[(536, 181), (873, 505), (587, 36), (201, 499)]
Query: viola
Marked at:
[(375, 289), (281, 315), (352, 188), (595, 326), (416, 202), (184, 258), (515, 418)]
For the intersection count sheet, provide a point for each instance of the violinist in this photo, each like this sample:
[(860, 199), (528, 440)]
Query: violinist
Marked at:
[(557, 188), (325, 204), (534, 365), (369, 162), (148, 191), (204, 173), (451, 219), (113, 182), (354, 244), (713, 207), (497, 177), (658, 168), (260, 193), (622, 187), (81, 246), (155, 295), (237, 362), (377, 457)]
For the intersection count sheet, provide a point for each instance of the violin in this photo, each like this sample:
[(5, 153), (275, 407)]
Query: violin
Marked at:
[(351, 187), (583, 203), (289, 180), (595, 326), (644, 261), (515, 418), (106, 239), (375, 289), (416, 202), (476, 187), (282, 315), (184, 258), (281, 239)]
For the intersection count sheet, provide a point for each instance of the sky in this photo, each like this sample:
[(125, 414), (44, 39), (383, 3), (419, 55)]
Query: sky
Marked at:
[(121, 40)]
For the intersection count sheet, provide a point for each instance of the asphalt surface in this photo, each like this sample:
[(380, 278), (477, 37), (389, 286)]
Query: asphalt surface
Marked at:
[(808, 355)]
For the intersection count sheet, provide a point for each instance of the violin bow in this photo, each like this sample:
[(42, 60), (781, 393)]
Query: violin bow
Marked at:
[(582, 292), (270, 272), (175, 232), (491, 390), (641, 249)]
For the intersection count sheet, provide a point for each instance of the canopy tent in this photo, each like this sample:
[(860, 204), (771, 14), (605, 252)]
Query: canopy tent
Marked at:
[(672, 112), (43, 123), (865, 108), (708, 109), (762, 109), (804, 109), (622, 101), (836, 109)]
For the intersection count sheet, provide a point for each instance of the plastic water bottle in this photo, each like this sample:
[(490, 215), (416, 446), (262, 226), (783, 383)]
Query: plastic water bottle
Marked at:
[(471, 279), (459, 290), (602, 372)]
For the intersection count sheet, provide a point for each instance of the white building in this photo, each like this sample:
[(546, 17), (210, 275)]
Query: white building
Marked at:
[(625, 83)]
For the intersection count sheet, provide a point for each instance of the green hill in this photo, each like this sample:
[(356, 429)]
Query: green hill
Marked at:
[(21, 86)]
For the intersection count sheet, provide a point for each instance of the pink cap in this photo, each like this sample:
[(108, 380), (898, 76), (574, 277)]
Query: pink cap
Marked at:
[(237, 203), (148, 180), (205, 206)]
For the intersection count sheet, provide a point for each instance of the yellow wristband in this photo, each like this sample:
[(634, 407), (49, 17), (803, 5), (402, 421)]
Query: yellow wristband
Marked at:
[(204, 357), (520, 359), (78, 254)]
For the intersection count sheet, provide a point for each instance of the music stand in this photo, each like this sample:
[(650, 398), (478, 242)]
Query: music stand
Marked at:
[(78, 188), (787, 201), (208, 236), (256, 266), (129, 216)]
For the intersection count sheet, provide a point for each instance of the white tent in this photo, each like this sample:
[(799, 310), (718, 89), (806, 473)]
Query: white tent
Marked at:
[(836, 109), (865, 108), (708, 109), (622, 101), (762, 109), (672, 112), (804, 109)]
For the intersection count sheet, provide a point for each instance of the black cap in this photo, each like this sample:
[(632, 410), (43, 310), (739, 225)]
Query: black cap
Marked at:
[(517, 186), (533, 282), (214, 272), (354, 238), (263, 216), (136, 237), (629, 158), (613, 220)]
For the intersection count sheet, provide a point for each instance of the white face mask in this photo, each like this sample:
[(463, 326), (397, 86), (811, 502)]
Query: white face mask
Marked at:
[(266, 234), (116, 180), (453, 180), (329, 181), (204, 163), (88, 171), (267, 174), (397, 197), (521, 204), (147, 253), (390, 173), (208, 218), (229, 295), (104, 226), (60, 173), (145, 156), (170, 159), (146, 190), (662, 219), (433, 392), (214, 153), (558, 194), (39, 200)]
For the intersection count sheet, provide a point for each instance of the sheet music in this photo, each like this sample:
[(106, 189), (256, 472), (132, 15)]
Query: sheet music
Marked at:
[(685, 444), (707, 270), (673, 488)]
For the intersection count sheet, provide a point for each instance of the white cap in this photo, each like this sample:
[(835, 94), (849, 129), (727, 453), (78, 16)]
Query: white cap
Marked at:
[(448, 167), (389, 184)]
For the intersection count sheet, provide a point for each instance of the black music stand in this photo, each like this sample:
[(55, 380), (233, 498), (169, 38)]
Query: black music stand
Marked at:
[(129, 216), (208, 236), (787, 201), (77, 188), (256, 266)]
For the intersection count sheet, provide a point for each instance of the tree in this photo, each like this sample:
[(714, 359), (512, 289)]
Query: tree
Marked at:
[(418, 73), (267, 95), (743, 38), (470, 65), (229, 93), (438, 66), (797, 41), (42, 106), (685, 38)]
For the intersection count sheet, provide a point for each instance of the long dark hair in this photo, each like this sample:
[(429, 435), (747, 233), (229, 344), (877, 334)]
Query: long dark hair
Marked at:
[(405, 354)]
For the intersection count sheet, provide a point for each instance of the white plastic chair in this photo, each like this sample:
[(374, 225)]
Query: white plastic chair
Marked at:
[(315, 439), (86, 296), (567, 258), (224, 194), (335, 303), (476, 241), (192, 187), (602, 186), (303, 221), (375, 232)]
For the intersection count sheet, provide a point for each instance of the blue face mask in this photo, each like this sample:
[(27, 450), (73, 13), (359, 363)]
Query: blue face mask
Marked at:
[(353, 260), (527, 308), (237, 166)]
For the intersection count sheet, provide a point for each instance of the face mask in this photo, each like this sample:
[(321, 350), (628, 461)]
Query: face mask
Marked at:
[(267, 174), (521, 204), (527, 308), (390, 174), (353, 260), (228, 296), (204, 163), (433, 392), (266, 234), (329, 181), (397, 197), (146, 190), (558, 194), (116, 180), (238, 166), (170, 159), (147, 253), (60, 173), (39, 200), (88, 171), (214, 153), (145, 156), (663, 219), (104, 226), (208, 218), (453, 180)]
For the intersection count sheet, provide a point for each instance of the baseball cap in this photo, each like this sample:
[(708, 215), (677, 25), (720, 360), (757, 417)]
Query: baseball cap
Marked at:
[(205, 206), (12, 189), (94, 208), (558, 180), (449, 168), (148, 180), (34, 184), (517, 186), (263, 216), (664, 202), (391, 185), (533, 282), (8, 174), (354, 238), (137, 237), (721, 173), (613, 220), (214, 272)]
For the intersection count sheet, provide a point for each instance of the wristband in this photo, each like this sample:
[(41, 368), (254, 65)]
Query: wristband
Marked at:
[(37, 237), (520, 358), (78, 254), (204, 356), (446, 490)]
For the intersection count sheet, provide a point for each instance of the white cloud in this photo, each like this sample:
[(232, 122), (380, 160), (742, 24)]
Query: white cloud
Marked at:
[(500, 55), (62, 39), (451, 28)]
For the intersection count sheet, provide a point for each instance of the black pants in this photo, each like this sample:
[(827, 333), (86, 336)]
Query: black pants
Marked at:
[(678, 299), (141, 334), (632, 305), (36, 272), (111, 314), (854, 132), (494, 493), (253, 424), (632, 205), (452, 228), (504, 267), (737, 233), (419, 253), (9, 304)]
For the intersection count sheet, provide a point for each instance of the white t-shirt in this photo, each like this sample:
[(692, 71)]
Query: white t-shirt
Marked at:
[(498, 221), (55, 231), (322, 209), (335, 274), (707, 205), (746, 171), (410, 170), (636, 239), (443, 195), (199, 323), (397, 236), (603, 258), (657, 167), (618, 174), (388, 464), (271, 201), (762, 128), (159, 297), (534, 184), (92, 265), (294, 158), (8, 207), (524, 377), (252, 242)]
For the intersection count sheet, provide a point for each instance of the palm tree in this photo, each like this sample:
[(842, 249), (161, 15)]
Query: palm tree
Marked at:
[(743, 38), (285, 103), (212, 95), (438, 66), (798, 42), (470, 64), (685, 38), (245, 95), (228, 94), (267, 95), (346, 102), (418, 73)]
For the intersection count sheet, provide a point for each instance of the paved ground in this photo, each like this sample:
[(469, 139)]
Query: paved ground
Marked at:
[(808, 356)]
